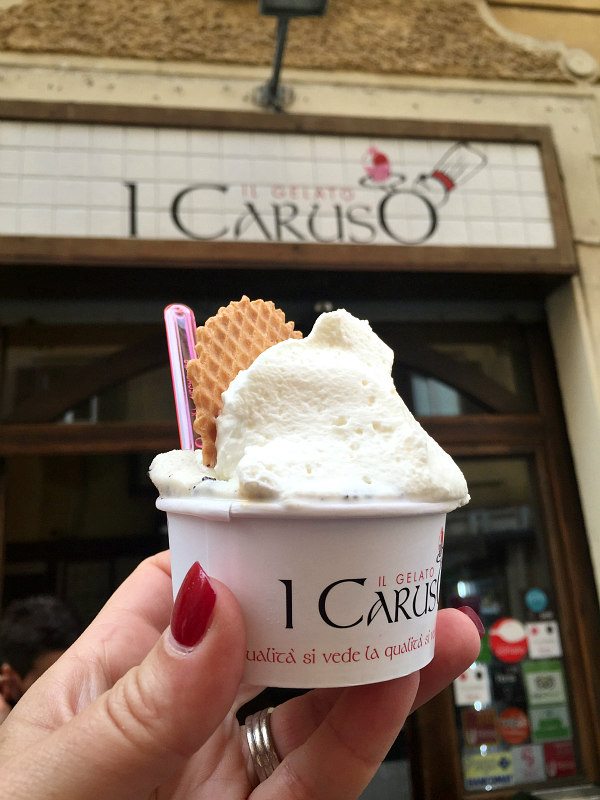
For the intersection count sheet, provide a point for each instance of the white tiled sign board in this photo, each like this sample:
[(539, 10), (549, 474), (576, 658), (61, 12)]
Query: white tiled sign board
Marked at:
[(110, 181)]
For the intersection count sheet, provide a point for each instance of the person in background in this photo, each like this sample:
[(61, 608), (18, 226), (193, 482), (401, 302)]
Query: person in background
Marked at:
[(34, 633)]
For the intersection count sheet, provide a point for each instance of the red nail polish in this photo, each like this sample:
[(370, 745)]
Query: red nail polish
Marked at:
[(193, 607), (472, 615)]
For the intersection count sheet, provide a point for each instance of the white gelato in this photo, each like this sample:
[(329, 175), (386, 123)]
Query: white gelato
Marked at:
[(317, 418)]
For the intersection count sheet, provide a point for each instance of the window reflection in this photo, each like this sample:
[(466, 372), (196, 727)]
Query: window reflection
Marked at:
[(94, 374), (434, 398), (451, 369)]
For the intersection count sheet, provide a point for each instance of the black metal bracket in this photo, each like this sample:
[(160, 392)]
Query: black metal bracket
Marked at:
[(272, 94)]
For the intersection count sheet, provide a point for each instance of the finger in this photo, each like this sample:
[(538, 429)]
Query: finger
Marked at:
[(340, 758), (457, 646), (141, 732), (295, 720)]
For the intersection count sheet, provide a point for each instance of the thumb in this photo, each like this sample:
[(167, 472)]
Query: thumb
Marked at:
[(143, 730)]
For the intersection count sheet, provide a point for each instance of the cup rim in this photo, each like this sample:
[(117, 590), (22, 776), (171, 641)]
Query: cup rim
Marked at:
[(225, 509)]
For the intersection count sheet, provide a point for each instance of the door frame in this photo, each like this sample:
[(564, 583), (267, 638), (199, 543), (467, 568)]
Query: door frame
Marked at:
[(134, 252)]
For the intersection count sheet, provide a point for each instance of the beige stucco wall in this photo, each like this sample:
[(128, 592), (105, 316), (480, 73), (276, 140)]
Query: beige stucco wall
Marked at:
[(423, 37), (570, 108), (580, 386)]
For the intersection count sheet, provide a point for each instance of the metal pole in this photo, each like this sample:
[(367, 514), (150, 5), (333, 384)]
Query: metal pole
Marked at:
[(272, 88)]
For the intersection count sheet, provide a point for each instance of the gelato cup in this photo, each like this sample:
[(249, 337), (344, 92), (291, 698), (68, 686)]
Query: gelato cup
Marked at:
[(333, 593)]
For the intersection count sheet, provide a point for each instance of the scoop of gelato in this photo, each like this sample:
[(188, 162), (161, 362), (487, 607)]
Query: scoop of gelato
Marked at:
[(318, 418)]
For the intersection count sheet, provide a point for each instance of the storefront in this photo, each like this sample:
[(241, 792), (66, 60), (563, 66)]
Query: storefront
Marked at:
[(459, 217)]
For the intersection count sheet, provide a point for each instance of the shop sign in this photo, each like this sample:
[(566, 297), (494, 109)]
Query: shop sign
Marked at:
[(544, 682), (560, 760), (528, 763), (119, 181), (485, 654), (508, 640), (543, 639), (550, 724), (473, 688), (513, 725), (536, 600), (479, 727), (489, 770), (508, 687)]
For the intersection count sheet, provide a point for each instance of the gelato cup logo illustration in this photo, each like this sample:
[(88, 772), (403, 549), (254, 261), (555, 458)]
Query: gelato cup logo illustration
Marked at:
[(422, 199), (461, 162)]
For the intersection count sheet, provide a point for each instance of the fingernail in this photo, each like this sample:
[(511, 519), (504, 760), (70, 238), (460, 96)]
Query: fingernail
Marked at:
[(193, 607), (474, 619)]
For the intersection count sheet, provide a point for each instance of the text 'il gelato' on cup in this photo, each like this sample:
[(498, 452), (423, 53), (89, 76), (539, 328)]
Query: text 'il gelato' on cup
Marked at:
[(333, 594)]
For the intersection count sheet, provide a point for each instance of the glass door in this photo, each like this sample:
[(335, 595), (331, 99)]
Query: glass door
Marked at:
[(513, 708)]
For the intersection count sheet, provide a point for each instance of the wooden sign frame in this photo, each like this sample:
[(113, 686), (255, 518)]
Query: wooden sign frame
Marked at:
[(147, 253)]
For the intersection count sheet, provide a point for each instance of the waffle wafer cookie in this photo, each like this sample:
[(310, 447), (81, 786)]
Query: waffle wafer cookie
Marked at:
[(225, 344)]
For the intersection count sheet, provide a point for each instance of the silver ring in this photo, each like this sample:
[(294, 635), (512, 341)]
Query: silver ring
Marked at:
[(263, 756)]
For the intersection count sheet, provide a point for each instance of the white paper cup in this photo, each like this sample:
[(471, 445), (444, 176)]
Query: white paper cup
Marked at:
[(333, 594)]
